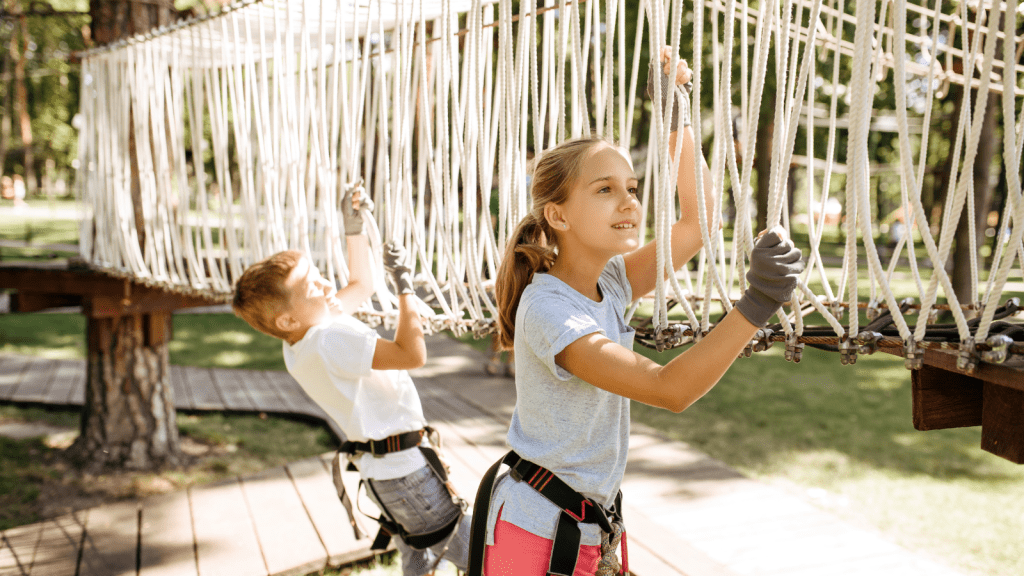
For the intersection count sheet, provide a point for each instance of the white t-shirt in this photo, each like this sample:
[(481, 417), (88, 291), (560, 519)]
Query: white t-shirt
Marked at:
[(569, 426), (333, 363)]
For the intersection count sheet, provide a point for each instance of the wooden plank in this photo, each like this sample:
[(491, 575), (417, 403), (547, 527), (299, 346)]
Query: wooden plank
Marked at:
[(944, 399), (202, 390), (67, 376), (290, 543), (11, 370), (166, 542), (1002, 422), (18, 549), (285, 387), (367, 506), (232, 390), (997, 373), (226, 541), (263, 394), (110, 546), (57, 553), (182, 391), (315, 487), (288, 387), (35, 382)]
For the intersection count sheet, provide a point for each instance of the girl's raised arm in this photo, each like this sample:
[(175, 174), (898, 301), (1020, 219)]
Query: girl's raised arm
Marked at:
[(774, 266), (641, 265)]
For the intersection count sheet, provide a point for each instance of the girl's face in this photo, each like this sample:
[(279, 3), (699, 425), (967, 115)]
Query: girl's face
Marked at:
[(603, 211)]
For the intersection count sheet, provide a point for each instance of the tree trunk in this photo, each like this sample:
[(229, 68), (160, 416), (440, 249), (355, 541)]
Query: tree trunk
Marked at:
[(763, 162), (5, 112), (21, 102), (961, 278), (966, 246), (129, 419)]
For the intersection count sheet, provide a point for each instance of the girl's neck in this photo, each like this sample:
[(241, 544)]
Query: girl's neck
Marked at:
[(581, 274)]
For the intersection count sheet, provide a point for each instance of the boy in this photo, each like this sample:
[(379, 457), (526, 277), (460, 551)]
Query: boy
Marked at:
[(360, 381)]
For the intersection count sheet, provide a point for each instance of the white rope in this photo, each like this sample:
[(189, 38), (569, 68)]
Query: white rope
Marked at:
[(292, 102)]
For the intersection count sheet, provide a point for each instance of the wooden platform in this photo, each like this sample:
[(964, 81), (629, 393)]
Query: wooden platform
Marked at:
[(686, 513)]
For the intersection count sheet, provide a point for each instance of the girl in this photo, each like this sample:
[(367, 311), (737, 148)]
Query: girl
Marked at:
[(570, 271)]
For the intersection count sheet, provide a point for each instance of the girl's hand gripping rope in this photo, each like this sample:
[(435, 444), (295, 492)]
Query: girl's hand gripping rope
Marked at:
[(397, 268), (353, 205), (775, 264), (683, 78)]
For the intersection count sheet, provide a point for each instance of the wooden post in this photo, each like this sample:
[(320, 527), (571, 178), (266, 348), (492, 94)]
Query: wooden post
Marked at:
[(128, 420), (991, 397), (1002, 426)]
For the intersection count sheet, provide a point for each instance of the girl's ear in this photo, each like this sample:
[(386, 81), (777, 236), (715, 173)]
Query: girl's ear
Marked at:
[(554, 216)]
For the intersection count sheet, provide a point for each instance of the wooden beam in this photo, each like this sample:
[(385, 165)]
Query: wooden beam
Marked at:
[(997, 373), (944, 399), (1002, 427), (23, 301), (105, 296)]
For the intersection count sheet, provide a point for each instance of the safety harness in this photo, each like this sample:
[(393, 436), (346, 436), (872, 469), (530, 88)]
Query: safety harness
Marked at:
[(576, 509), (388, 525)]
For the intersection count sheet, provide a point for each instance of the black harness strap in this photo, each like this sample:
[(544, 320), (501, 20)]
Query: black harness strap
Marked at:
[(388, 526), (395, 443), (576, 509)]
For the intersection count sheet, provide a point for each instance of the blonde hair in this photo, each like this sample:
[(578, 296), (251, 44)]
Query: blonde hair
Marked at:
[(260, 295), (531, 248)]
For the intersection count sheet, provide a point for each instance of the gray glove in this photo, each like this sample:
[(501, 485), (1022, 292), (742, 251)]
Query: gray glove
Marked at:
[(395, 265), (352, 216), (656, 68), (774, 266)]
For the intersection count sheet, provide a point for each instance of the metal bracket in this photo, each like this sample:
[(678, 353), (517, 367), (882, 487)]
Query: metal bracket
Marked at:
[(913, 355), (968, 357), (868, 342), (794, 349), (999, 349), (847, 350)]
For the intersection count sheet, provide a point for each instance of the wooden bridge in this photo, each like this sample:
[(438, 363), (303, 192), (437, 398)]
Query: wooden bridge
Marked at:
[(687, 514)]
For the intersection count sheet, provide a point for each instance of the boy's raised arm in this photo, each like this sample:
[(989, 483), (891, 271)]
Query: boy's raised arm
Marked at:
[(360, 280), (407, 350)]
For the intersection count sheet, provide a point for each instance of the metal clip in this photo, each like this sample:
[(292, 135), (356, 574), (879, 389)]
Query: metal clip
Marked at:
[(872, 311), (868, 342), (913, 355), (999, 347), (794, 349), (483, 327), (967, 361), (836, 307), (763, 339), (847, 350), (670, 336)]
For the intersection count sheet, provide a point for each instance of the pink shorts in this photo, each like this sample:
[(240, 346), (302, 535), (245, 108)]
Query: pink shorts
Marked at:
[(517, 552)]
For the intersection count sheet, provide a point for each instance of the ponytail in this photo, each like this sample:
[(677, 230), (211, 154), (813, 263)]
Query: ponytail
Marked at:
[(531, 247), (526, 253)]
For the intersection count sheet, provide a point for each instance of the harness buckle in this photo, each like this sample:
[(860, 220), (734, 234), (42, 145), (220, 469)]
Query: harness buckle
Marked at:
[(514, 471)]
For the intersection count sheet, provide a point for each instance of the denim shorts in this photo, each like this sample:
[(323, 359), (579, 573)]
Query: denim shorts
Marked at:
[(420, 503)]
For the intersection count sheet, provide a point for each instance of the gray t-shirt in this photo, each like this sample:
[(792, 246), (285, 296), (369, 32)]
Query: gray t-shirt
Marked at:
[(576, 430)]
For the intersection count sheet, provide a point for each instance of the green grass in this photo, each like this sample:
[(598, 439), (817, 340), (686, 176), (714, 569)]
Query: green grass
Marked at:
[(205, 340), (36, 230), (843, 435), (60, 336)]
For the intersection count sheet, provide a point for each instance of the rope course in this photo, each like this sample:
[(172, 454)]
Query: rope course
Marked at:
[(247, 127)]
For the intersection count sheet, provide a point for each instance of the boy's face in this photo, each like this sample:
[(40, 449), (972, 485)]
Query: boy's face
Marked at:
[(310, 297)]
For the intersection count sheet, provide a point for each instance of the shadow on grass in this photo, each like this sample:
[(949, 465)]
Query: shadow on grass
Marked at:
[(767, 413)]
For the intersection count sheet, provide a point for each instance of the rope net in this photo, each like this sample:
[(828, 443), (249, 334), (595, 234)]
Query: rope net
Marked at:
[(247, 128)]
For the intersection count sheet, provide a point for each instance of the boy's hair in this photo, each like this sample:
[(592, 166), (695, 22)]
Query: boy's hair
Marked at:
[(260, 295), (530, 249)]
